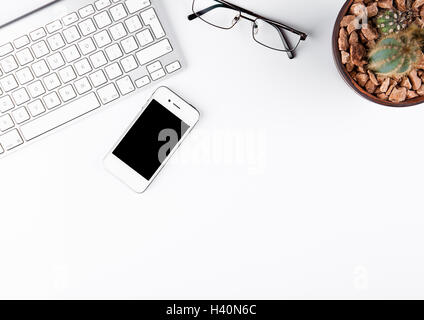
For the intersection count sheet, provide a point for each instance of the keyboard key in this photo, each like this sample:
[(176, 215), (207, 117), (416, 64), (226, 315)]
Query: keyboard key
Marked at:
[(40, 68), (87, 46), (9, 83), (51, 100), (70, 19), (102, 39), (86, 11), (144, 37), (102, 19), (40, 49), (136, 5), (98, 78), (6, 123), (108, 93), (6, 104), (154, 52), (24, 56), (36, 108), (82, 86), (56, 42), (37, 34), (87, 27), (52, 82), (20, 96), (24, 75), (71, 54), (151, 19), (101, 4), (158, 74), (113, 71), (11, 140), (5, 49), (142, 82), (54, 26), (56, 61), (71, 34), (67, 93), (118, 31), (98, 59), (118, 12), (60, 116), (67, 74), (114, 52), (133, 24), (154, 67), (36, 89), (129, 64), (172, 67), (9, 64), (20, 115), (21, 42), (129, 45), (125, 85), (83, 67)]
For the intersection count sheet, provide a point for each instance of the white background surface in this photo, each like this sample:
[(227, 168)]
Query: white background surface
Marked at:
[(292, 186), (24, 7)]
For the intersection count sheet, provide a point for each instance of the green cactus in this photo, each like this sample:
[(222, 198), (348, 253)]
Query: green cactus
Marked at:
[(392, 21), (398, 53)]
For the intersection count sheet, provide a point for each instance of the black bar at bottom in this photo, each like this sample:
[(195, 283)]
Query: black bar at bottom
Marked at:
[(209, 309)]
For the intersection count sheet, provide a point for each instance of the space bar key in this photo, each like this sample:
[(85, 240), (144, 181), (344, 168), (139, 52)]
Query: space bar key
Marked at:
[(60, 116)]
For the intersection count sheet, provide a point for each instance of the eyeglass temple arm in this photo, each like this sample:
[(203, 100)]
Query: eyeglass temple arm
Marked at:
[(290, 53), (302, 35), (206, 10)]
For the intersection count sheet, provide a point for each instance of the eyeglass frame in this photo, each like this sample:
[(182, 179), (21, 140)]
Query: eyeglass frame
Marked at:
[(278, 25)]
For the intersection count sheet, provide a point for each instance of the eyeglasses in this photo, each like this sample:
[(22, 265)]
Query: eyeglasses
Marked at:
[(269, 33)]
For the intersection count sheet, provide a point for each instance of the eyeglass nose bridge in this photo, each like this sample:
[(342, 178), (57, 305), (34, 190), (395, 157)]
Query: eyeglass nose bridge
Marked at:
[(255, 27), (247, 18), (243, 16)]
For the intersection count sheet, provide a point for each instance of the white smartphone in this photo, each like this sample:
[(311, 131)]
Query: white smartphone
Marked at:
[(151, 140)]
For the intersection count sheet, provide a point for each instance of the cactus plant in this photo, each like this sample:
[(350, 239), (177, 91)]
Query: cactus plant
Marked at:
[(397, 54), (392, 21)]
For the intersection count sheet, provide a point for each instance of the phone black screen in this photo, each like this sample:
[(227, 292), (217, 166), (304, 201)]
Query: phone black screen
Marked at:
[(151, 139)]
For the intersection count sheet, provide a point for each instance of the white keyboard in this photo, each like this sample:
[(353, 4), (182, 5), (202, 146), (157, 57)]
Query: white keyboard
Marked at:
[(77, 64)]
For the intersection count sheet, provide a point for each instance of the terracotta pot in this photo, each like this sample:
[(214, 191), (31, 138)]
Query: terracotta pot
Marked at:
[(346, 76)]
